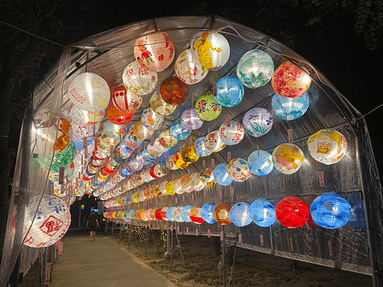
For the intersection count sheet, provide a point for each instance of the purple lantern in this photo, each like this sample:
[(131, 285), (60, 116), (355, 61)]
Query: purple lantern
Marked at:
[(257, 122), (191, 120)]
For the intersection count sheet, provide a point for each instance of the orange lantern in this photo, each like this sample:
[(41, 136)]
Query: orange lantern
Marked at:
[(221, 213), (173, 91)]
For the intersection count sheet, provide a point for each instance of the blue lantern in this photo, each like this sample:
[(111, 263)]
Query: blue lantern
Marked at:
[(221, 175), (178, 131), (207, 213), (201, 148), (169, 213), (260, 162), (330, 210), (289, 109), (262, 212), (185, 214), (230, 92), (240, 214)]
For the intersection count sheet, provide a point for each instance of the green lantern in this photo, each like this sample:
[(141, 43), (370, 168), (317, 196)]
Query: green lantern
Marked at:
[(208, 108)]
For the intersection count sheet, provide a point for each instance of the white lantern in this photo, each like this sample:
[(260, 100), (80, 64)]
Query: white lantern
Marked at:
[(189, 69), (138, 80)]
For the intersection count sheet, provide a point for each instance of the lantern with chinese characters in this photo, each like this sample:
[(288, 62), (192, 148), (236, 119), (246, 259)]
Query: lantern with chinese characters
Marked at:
[(330, 210), (212, 49), (238, 169), (230, 92), (257, 122), (327, 146), (231, 133), (262, 212), (240, 214), (191, 120), (207, 177), (196, 182), (178, 131), (118, 117), (166, 139), (213, 142), (151, 120), (255, 69), (195, 215), (200, 147), (186, 184), (207, 107), (89, 92), (139, 80), (290, 81), (189, 69), (171, 163), (292, 212), (221, 175), (159, 106), (45, 222), (173, 91), (185, 214), (154, 51), (260, 162), (83, 117), (125, 101), (222, 213), (207, 213), (289, 109), (288, 158), (141, 131)]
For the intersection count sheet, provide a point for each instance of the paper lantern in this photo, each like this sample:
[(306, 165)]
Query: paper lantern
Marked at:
[(330, 210), (118, 117), (289, 109), (64, 134), (169, 213), (262, 212), (154, 51), (221, 175), (169, 188), (238, 170), (207, 177), (151, 120), (142, 132), (292, 212), (64, 158), (178, 131), (135, 165), (189, 69), (231, 133), (222, 212), (195, 215), (200, 147), (212, 49), (139, 80), (208, 108), (196, 182), (85, 131), (260, 162), (148, 214), (191, 120), (257, 122), (83, 117), (255, 69), (164, 168), (166, 139), (171, 163), (89, 92), (327, 146), (156, 171), (213, 142), (230, 92), (47, 221), (125, 101), (185, 215), (179, 161), (161, 213), (240, 214), (189, 154), (173, 91), (112, 130), (186, 184), (177, 214), (207, 213), (288, 158), (159, 106), (290, 81)]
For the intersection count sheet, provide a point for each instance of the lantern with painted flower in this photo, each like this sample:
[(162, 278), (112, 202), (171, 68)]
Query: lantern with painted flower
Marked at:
[(189, 69), (238, 169), (230, 92), (179, 131), (213, 142), (173, 91), (208, 108), (207, 177), (257, 122), (231, 133), (151, 120), (126, 101), (166, 139), (139, 80), (191, 120), (288, 158), (292, 212), (289, 109), (159, 106)]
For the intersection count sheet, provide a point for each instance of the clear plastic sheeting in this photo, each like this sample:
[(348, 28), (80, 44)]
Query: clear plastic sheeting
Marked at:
[(355, 247)]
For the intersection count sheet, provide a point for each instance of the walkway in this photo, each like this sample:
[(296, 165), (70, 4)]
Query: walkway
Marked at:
[(100, 263)]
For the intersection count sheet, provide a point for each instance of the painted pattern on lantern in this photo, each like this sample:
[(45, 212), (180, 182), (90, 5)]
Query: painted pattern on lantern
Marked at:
[(195, 215), (118, 117), (126, 101), (191, 120), (208, 108), (260, 162), (230, 92), (207, 213), (289, 109), (231, 133), (166, 139), (151, 120), (221, 175), (173, 91), (213, 142), (240, 214), (189, 69), (292, 212), (238, 169), (199, 145), (288, 158), (262, 212), (159, 106), (179, 131), (222, 213), (139, 80), (257, 122)]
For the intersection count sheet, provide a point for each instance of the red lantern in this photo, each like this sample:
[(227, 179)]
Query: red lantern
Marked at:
[(292, 212), (173, 91), (118, 117), (125, 101)]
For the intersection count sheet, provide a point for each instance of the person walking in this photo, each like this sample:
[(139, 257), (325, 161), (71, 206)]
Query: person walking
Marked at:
[(92, 223)]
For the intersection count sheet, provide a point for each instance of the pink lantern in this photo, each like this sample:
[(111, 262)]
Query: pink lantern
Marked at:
[(126, 101), (189, 69)]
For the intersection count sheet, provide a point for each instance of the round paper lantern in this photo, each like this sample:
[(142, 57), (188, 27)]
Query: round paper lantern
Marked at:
[(142, 132), (154, 51), (207, 107), (255, 69), (151, 120), (288, 158), (292, 212), (240, 214), (118, 117), (189, 154), (64, 158), (260, 162), (89, 92), (135, 165), (207, 213), (213, 142), (212, 49), (83, 117), (112, 130), (289, 109), (330, 210), (262, 212), (189, 69), (169, 213), (191, 120), (178, 131), (327, 146), (222, 212), (139, 80), (47, 221), (231, 133), (64, 134), (185, 215), (177, 214), (290, 81), (177, 186), (169, 188), (257, 122), (159, 106), (195, 215), (156, 171), (199, 145), (196, 182), (186, 184), (207, 177), (230, 92), (171, 163), (125, 101), (238, 170), (147, 214), (173, 91), (221, 175), (179, 161), (166, 139)]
